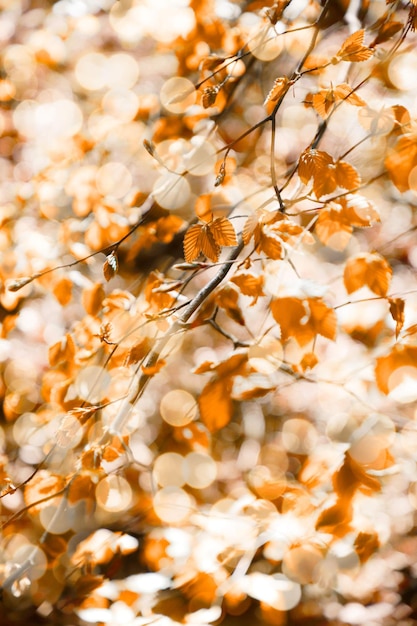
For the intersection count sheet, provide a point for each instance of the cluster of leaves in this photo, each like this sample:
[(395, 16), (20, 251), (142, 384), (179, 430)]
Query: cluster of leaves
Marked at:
[(208, 353)]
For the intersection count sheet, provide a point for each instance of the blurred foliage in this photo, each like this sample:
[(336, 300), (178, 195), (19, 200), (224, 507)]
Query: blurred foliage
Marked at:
[(208, 309)]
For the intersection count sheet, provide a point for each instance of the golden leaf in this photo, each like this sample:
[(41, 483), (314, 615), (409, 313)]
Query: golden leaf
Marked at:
[(353, 49), (92, 298), (249, 285), (313, 163), (401, 161), (223, 232), (278, 89), (401, 357), (63, 350), (215, 403), (370, 270), (208, 238), (333, 229), (292, 313), (63, 290)]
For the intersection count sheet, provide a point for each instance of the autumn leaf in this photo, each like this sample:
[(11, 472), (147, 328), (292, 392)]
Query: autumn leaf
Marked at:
[(333, 228), (394, 368), (137, 352), (92, 298), (227, 299), (278, 89), (324, 100), (367, 270), (208, 239), (366, 544), (353, 49), (304, 319), (63, 290), (63, 350), (215, 402), (249, 285), (401, 161), (111, 266), (396, 308)]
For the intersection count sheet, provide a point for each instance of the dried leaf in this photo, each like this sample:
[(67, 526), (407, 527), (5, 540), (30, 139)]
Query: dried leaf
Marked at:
[(396, 307), (366, 544), (209, 97), (333, 229), (199, 240), (111, 266), (313, 163), (278, 89)]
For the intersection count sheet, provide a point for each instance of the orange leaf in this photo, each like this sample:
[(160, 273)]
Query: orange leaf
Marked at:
[(391, 370), (81, 488), (151, 370), (345, 92), (396, 308), (313, 163), (227, 299), (346, 175), (63, 290), (358, 211), (92, 298), (63, 350), (302, 320), (401, 161), (43, 485), (268, 243), (110, 267), (365, 545), (215, 403), (338, 515), (322, 318), (353, 49), (199, 239), (278, 89), (249, 285), (137, 352), (223, 232), (333, 229), (369, 270)]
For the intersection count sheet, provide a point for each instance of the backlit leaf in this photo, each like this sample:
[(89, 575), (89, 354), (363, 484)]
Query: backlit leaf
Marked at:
[(353, 48), (223, 232), (249, 285), (215, 403), (370, 270)]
